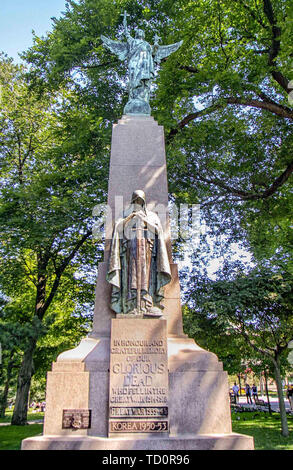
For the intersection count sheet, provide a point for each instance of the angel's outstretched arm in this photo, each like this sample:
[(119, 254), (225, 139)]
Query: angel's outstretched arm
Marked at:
[(125, 21), (126, 32)]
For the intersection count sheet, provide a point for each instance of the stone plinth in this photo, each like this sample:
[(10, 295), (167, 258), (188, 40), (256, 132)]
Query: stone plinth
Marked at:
[(79, 379), (196, 377), (198, 404), (199, 442)]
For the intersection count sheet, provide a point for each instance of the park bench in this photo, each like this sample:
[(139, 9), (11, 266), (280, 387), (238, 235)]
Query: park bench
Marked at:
[(261, 404), (233, 398)]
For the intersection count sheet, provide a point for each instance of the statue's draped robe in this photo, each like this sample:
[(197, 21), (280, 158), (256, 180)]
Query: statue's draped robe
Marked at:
[(140, 67), (122, 270)]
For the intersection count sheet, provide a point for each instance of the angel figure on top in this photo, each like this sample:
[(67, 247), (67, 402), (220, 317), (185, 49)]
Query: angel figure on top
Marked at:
[(142, 58)]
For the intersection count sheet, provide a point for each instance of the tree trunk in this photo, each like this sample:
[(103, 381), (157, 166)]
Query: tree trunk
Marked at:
[(19, 416), (42, 304), (239, 379), (261, 384), (3, 400), (267, 391), (284, 423)]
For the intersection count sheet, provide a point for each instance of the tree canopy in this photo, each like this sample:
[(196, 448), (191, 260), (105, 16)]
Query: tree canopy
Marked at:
[(223, 101), (222, 98)]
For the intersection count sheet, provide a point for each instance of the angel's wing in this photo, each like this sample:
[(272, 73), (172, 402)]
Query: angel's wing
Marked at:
[(117, 47), (165, 51)]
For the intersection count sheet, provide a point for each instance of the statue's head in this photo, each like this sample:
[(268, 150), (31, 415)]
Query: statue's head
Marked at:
[(139, 34), (138, 197)]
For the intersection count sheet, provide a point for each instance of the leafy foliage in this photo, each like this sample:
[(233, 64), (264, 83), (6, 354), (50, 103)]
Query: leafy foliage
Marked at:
[(223, 101)]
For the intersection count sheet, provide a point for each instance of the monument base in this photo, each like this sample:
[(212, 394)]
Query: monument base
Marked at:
[(199, 409), (231, 441)]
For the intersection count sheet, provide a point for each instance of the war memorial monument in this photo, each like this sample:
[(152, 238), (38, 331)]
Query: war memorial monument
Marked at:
[(137, 382)]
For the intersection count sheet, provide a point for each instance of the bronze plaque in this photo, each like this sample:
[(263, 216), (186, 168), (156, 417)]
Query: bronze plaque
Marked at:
[(76, 419), (138, 426)]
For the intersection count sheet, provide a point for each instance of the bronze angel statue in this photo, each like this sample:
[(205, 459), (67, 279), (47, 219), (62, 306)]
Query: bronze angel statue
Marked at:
[(142, 58), (139, 266)]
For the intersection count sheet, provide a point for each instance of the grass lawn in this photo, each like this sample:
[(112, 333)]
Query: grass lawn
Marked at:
[(30, 416), (11, 436), (265, 429)]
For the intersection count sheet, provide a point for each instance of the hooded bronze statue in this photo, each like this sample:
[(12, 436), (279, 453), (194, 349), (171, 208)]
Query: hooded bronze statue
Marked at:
[(139, 267)]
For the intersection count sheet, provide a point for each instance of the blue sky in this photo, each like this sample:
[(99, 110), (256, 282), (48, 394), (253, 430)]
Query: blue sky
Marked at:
[(19, 17)]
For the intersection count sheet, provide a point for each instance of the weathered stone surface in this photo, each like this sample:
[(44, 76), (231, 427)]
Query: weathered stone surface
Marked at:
[(67, 390), (195, 442), (138, 376), (138, 161)]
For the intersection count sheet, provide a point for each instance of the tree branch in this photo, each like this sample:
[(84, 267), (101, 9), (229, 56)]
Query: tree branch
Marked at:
[(251, 343), (270, 106), (246, 196), (191, 117), (59, 273), (275, 45), (266, 104), (253, 15), (188, 68)]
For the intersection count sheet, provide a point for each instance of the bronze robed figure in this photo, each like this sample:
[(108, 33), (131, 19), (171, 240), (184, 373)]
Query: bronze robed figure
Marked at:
[(142, 58), (139, 266)]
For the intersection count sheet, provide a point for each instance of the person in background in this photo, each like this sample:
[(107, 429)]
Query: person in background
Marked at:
[(248, 393), (290, 396), (254, 392), (235, 390)]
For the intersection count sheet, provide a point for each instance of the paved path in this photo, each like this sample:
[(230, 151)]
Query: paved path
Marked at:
[(242, 401), (273, 401), (37, 421)]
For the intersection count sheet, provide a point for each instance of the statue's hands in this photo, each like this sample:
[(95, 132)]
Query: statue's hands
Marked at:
[(150, 226), (141, 215), (129, 217), (122, 222), (119, 224)]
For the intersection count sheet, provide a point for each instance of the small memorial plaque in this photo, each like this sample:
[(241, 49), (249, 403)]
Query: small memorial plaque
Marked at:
[(76, 419), (138, 412), (138, 426)]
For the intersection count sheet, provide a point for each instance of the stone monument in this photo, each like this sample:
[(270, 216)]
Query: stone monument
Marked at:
[(137, 382)]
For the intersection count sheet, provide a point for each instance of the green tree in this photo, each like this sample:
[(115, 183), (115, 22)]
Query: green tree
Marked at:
[(253, 308), (53, 174), (10, 339), (222, 98), (230, 138), (62, 328)]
